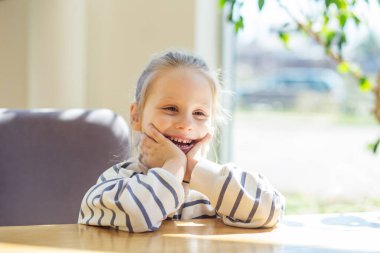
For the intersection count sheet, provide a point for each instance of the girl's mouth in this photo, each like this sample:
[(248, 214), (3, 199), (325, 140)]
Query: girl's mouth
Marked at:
[(183, 144)]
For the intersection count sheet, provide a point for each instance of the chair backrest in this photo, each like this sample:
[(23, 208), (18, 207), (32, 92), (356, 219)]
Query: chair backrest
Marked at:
[(50, 158)]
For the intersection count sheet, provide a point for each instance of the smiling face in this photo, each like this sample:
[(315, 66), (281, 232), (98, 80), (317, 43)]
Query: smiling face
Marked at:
[(179, 104)]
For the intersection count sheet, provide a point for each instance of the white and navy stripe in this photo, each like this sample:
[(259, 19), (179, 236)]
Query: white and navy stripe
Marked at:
[(131, 198)]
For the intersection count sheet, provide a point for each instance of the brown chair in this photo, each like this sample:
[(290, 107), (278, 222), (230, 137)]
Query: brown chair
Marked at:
[(50, 158)]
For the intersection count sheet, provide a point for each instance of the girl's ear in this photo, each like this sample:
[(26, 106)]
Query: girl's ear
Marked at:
[(135, 117)]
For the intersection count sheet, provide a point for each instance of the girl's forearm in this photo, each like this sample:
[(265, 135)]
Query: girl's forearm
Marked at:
[(176, 167)]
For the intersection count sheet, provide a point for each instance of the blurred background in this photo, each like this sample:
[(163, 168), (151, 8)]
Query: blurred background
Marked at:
[(81, 53), (295, 119)]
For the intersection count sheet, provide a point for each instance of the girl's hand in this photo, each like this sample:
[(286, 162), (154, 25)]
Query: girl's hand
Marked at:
[(157, 151), (195, 154)]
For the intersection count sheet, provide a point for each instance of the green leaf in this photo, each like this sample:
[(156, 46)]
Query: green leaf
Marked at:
[(222, 3), (326, 18), (343, 67), (261, 4), (342, 40), (365, 84), (343, 19), (285, 37), (341, 4), (230, 16), (330, 35), (328, 2), (239, 25), (374, 146), (356, 19)]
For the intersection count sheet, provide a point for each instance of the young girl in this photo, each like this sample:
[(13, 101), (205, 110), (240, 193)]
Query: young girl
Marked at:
[(175, 112)]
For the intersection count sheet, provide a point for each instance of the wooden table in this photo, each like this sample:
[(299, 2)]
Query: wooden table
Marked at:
[(355, 232)]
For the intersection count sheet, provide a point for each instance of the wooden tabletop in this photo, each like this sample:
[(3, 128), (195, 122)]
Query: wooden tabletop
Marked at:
[(356, 232)]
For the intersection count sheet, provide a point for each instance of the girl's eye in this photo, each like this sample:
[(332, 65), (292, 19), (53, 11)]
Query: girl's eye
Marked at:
[(170, 108), (200, 114)]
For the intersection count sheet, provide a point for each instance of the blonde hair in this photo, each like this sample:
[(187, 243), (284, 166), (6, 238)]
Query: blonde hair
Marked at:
[(174, 59)]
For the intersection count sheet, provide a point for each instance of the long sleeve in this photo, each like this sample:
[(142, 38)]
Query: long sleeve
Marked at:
[(241, 198), (127, 199)]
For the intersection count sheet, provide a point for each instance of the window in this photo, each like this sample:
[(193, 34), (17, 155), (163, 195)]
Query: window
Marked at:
[(300, 123)]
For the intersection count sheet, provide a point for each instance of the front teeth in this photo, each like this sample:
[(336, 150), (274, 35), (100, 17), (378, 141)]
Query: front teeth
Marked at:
[(180, 140)]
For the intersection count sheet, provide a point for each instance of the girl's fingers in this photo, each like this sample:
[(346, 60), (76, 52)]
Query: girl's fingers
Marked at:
[(205, 140), (146, 139), (154, 134)]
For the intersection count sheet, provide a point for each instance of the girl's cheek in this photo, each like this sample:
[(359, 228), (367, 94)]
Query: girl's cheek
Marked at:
[(206, 128), (161, 124)]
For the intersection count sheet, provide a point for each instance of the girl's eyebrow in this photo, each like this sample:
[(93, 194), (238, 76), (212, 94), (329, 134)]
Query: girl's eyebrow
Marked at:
[(168, 97), (176, 98)]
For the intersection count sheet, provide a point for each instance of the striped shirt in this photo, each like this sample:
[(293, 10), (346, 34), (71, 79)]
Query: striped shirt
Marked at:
[(129, 197)]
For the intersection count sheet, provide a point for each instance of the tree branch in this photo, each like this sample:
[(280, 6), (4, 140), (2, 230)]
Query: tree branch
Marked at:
[(337, 58)]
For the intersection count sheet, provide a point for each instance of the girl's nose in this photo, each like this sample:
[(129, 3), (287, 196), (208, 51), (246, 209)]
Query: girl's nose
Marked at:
[(184, 123)]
